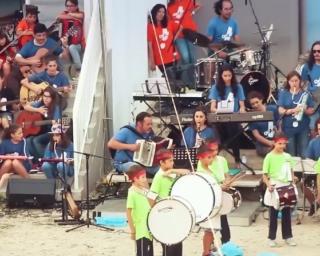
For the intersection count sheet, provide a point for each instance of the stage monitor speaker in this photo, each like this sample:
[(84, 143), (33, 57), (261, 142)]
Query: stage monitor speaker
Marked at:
[(31, 192)]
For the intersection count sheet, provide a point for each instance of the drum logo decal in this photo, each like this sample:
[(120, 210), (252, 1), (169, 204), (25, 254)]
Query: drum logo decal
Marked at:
[(252, 80)]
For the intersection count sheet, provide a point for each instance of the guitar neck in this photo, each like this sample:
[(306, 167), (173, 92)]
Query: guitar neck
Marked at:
[(10, 102)]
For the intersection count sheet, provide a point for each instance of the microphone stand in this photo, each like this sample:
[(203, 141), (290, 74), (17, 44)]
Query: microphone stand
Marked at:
[(265, 63), (87, 222)]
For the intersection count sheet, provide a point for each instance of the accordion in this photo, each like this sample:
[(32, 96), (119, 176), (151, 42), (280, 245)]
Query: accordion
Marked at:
[(181, 159), (145, 155)]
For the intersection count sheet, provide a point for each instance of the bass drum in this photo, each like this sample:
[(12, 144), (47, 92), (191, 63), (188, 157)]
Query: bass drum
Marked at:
[(255, 81)]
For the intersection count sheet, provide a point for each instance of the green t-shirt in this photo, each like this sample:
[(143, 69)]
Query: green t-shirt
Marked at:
[(317, 166), (162, 184), (219, 167), (140, 208), (278, 166)]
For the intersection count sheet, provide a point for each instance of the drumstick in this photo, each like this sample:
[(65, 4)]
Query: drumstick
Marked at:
[(13, 157)]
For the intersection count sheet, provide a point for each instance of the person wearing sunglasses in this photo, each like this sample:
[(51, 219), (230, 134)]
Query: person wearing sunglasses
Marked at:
[(311, 74)]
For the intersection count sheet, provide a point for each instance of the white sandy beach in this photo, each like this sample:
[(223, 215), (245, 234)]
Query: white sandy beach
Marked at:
[(34, 232)]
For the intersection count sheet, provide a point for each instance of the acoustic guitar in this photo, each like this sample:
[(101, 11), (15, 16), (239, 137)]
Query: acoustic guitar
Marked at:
[(73, 209), (31, 122), (28, 95)]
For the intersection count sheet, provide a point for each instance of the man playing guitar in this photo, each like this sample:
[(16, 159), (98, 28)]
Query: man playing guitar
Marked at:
[(35, 50)]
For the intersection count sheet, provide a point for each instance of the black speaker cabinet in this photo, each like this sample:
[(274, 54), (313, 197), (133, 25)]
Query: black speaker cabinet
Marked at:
[(31, 192)]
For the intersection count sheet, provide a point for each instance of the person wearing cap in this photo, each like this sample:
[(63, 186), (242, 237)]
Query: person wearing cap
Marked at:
[(161, 185), (217, 167), (138, 208), (58, 149), (14, 144), (24, 29), (277, 171)]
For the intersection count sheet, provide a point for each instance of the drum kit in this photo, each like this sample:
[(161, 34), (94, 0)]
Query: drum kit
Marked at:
[(245, 61), (186, 207)]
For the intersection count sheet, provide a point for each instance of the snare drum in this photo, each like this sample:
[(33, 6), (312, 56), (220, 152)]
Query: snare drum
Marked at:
[(251, 59), (171, 220), (205, 72), (203, 193), (231, 200), (286, 196)]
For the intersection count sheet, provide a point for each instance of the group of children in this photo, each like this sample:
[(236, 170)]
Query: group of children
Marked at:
[(276, 166)]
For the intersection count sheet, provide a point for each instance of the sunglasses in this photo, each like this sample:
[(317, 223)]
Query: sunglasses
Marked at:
[(316, 51)]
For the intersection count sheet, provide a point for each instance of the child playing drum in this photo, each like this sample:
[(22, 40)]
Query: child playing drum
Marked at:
[(217, 167), (161, 185), (137, 211), (277, 171)]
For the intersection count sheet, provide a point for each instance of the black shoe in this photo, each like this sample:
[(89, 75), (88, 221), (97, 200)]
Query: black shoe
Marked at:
[(312, 210)]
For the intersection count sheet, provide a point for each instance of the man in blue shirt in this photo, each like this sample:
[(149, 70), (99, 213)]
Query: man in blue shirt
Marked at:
[(124, 142), (29, 54), (223, 27)]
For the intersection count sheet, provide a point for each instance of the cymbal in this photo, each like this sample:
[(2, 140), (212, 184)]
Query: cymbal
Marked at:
[(264, 31), (196, 38)]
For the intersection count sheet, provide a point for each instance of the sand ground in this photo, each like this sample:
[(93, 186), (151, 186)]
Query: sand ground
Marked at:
[(34, 232)]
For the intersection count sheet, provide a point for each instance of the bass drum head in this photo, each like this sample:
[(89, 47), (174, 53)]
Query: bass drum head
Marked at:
[(255, 81), (200, 190), (171, 220)]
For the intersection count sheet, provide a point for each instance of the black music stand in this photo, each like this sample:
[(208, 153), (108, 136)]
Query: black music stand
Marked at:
[(87, 222)]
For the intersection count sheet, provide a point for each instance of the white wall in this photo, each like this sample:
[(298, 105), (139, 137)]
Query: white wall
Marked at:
[(127, 48)]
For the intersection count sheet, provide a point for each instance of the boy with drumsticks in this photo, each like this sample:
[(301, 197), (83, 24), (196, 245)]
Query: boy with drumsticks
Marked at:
[(216, 166), (138, 208), (161, 185), (277, 170)]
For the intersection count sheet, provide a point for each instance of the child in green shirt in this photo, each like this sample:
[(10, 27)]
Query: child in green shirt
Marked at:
[(277, 169), (138, 208), (161, 185)]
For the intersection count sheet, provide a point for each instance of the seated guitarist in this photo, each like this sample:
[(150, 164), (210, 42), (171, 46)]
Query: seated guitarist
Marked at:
[(30, 54), (49, 108), (59, 144), (51, 76), (124, 142)]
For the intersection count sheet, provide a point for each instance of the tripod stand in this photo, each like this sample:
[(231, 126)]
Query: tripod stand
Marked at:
[(87, 222)]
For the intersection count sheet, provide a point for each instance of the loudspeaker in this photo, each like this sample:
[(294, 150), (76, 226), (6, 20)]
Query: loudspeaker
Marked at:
[(31, 192)]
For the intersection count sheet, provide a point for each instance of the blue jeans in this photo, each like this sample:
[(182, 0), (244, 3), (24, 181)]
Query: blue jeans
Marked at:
[(313, 120), (37, 145), (124, 167), (75, 52), (51, 169), (186, 50), (297, 144)]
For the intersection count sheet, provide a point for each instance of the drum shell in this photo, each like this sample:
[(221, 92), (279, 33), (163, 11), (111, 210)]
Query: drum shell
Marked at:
[(202, 191), (171, 220), (205, 72)]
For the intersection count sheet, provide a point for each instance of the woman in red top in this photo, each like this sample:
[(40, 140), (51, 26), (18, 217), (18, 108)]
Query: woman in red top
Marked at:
[(72, 28), (181, 13), (160, 39)]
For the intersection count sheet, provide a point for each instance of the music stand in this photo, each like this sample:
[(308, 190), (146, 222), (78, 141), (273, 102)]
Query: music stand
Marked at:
[(87, 222)]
